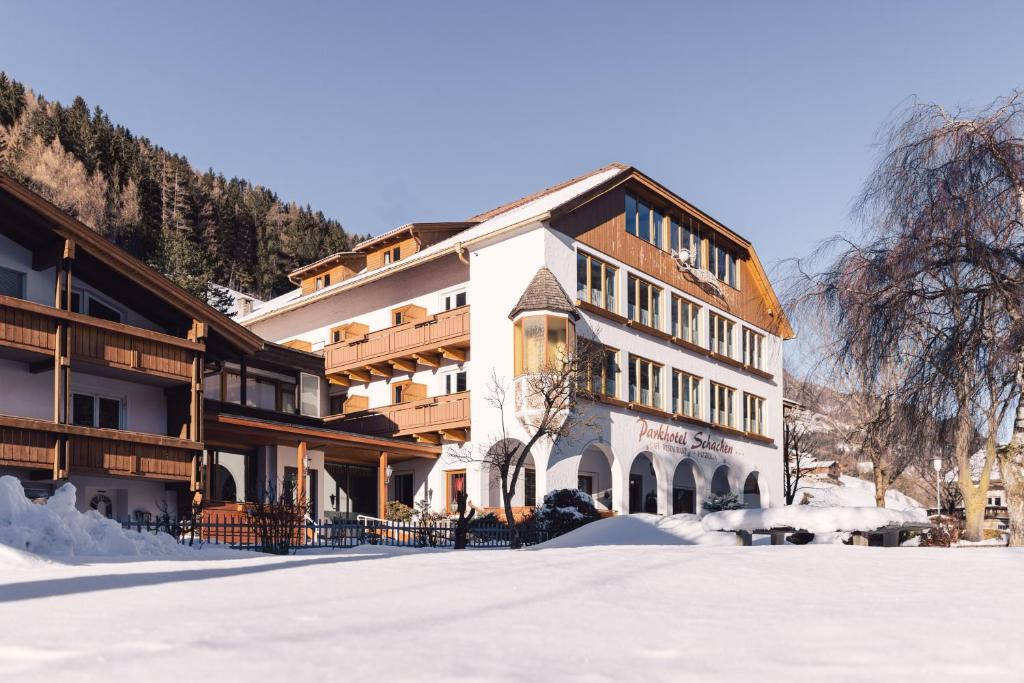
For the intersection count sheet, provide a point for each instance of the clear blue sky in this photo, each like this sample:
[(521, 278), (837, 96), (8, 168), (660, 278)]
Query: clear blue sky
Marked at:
[(763, 114)]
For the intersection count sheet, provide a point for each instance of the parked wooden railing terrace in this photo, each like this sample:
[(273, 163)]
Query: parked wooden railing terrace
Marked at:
[(430, 419), (28, 442), (417, 341), (30, 326)]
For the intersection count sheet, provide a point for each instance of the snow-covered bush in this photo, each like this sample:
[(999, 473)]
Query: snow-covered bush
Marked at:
[(722, 501), (397, 511), (564, 510)]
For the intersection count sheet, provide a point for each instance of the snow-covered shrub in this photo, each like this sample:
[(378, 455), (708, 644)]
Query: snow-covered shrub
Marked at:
[(564, 510), (722, 501), (397, 511)]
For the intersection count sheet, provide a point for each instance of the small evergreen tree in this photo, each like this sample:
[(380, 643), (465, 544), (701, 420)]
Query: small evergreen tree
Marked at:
[(722, 501), (564, 510)]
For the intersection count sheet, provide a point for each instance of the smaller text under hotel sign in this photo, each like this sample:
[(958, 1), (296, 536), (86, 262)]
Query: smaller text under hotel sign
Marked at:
[(697, 444)]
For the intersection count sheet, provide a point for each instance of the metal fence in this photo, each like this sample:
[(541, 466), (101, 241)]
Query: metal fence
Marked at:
[(242, 534)]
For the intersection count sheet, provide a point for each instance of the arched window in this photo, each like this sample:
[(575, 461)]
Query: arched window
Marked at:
[(542, 341)]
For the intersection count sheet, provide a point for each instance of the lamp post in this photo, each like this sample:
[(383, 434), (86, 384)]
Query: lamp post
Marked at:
[(937, 464)]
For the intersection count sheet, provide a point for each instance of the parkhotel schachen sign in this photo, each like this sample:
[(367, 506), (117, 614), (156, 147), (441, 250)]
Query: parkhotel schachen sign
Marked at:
[(695, 444)]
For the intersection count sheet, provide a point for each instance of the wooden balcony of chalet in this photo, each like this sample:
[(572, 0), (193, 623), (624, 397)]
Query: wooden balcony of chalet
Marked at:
[(428, 420), (401, 347), (32, 443), (29, 332)]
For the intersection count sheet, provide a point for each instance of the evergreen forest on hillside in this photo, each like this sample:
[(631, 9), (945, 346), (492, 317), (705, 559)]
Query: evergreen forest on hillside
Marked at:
[(194, 227)]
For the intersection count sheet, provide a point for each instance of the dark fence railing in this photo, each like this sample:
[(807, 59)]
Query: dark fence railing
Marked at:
[(240, 533)]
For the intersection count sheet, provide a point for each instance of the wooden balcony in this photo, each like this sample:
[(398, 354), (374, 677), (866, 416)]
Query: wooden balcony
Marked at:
[(428, 420), (27, 442), (402, 347), (28, 331)]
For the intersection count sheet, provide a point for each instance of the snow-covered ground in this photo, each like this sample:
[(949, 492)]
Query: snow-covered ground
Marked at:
[(631, 598), (606, 613)]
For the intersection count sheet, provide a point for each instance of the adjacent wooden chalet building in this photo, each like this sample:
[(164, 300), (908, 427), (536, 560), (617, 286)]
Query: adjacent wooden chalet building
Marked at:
[(122, 383)]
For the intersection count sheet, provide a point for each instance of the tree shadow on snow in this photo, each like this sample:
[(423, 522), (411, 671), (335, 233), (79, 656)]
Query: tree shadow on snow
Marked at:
[(46, 588)]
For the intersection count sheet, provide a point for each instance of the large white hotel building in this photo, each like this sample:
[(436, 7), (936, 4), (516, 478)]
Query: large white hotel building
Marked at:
[(413, 324)]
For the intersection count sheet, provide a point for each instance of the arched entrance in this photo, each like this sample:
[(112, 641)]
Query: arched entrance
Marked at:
[(594, 476), (752, 491), (720, 480), (684, 488), (643, 485)]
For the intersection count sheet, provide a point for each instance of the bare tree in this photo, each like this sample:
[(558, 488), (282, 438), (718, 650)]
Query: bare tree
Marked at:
[(795, 455), (544, 407), (934, 288)]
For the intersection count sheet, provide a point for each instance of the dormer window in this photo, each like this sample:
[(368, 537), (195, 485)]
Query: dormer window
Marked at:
[(392, 255)]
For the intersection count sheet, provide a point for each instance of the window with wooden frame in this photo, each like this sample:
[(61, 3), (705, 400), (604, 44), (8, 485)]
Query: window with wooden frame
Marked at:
[(685, 394), (722, 262), (753, 348), (643, 302), (722, 409), (323, 281), (542, 342), (604, 376), (407, 314), (644, 382), (753, 414), (406, 391), (685, 320), (595, 282), (347, 332), (454, 483), (392, 255), (644, 220), (270, 393), (720, 335), (684, 233)]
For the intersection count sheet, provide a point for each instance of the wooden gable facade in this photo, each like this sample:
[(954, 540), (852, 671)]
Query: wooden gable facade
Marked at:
[(597, 221)]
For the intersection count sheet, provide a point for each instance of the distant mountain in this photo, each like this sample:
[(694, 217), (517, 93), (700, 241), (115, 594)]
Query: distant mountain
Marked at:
[(194, 227)]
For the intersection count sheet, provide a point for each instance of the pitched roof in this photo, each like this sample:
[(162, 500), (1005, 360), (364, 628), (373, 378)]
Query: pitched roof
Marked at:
[(544, 293), (480, 217)]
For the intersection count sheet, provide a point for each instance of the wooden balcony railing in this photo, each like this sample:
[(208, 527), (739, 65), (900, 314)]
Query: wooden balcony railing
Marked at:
[(27, 442), (28, 326), (423, 341), (429, 420)]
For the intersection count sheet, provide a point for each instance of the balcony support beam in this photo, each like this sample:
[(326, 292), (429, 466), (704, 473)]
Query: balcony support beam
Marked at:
[(429, 359), (454, 434), (339, 380), (403, 365), (458, 355), (380, 371), (359, 376), (428, 437)]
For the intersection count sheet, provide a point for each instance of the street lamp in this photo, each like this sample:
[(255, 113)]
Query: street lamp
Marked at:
[(937, 464)]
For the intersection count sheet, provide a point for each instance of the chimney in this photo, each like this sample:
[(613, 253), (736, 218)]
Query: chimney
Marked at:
[(244, 305)]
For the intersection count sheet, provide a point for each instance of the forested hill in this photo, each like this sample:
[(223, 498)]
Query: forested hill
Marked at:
[(193, 227)]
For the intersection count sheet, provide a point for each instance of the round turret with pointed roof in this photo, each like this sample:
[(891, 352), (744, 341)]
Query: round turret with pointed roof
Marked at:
[(544, 293)]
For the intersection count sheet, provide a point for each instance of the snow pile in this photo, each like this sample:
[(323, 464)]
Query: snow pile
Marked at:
[(57, 528), (640, 529), (813, 519), (850, 492)]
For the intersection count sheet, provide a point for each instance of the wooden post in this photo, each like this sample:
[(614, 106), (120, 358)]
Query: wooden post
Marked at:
[(195, 425), (300, 483), (62, 361), (382, 485)]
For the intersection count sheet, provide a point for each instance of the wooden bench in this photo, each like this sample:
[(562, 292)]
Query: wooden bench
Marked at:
[(886, 536)]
